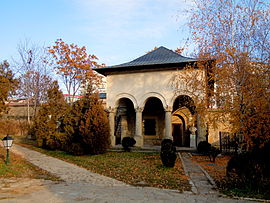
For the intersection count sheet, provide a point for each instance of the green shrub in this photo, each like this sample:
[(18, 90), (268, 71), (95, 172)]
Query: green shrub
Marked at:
[(46, 124), (76, 149), (95, 128), (168, 153), (88, 127), (79, 128)]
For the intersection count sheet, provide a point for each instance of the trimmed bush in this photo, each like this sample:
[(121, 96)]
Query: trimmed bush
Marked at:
[(204, 147), (168, 153), (128, 142), (213, 153)]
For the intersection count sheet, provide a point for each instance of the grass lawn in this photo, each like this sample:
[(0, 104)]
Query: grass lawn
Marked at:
[(135, 168), (19, 167)]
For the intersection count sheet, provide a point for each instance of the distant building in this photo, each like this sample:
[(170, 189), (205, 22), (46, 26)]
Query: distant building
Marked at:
[(71, 98), (18, 109)]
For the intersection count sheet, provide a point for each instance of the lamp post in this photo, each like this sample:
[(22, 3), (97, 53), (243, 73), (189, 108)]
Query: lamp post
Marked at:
[(7, 142)]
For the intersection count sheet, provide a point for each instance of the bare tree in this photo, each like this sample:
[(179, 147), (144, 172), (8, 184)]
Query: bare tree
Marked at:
[(35, 74)]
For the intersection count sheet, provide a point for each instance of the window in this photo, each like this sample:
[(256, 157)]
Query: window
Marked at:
[(150, 127)]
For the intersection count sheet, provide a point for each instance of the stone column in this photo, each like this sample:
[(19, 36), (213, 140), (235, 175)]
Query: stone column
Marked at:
[(112, 125), (168, 123), (138, 127)]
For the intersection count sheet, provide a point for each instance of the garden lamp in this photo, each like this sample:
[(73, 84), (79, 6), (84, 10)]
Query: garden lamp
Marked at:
[(7, 142)]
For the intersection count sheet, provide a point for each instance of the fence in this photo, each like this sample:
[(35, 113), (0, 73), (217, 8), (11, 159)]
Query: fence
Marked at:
[(230, 142)]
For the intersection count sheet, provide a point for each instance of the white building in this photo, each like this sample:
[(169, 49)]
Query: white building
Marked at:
[(143, 105)]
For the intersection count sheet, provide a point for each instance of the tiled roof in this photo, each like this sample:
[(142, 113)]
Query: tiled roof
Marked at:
[(159, 56), (160, 59)]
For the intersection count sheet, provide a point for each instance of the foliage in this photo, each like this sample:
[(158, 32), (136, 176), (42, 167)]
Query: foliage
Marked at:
[(23, 127), (217, 171), (234, 35), (250, 169), (128, 142), (168, 153), (91, 135), (8, 84), (46, 124), (74, 66), (9, 127)]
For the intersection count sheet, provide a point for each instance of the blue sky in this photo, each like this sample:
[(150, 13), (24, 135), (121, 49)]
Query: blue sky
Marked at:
[(116, 31)]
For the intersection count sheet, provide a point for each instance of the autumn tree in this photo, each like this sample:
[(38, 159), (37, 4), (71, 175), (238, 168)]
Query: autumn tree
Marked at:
[(74, 66), (35, 74), (235, 36), (8, 84)]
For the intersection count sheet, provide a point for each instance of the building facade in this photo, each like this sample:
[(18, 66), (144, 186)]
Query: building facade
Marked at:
[(142, 103)]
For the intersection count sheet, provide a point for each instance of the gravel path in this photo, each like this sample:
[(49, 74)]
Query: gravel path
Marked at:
[(81, 185)]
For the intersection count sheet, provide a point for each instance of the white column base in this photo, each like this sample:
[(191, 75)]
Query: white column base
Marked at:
[(193, 141), (139, 141)]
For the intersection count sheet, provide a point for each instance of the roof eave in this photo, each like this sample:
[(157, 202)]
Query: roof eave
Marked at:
[(142, 68)]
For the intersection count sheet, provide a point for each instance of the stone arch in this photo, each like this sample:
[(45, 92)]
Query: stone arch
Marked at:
[(184, 101), (125, 95), (185, 114), (187, 118), (175, 96), (184, 107), (153, 124), (124, 119), (148, 95)]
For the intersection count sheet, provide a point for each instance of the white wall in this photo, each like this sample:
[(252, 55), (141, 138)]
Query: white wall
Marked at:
[(140, 86)]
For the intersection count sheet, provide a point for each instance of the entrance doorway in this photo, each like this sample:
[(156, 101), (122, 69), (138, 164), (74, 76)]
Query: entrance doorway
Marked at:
[(179, 131), (177, 134)]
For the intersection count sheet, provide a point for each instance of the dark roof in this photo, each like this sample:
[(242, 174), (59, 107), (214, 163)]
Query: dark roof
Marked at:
[(160, 56)]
